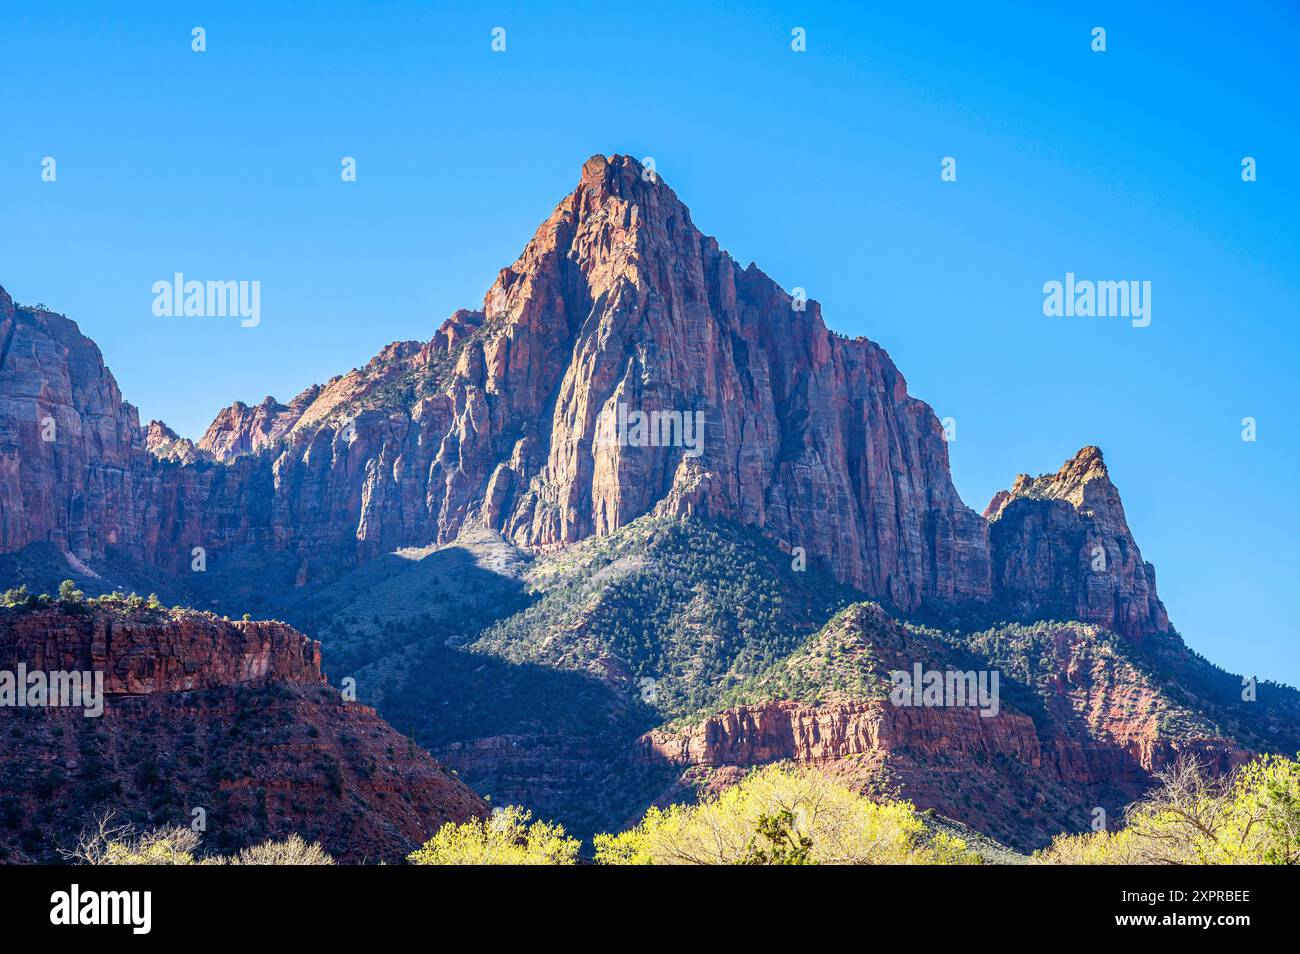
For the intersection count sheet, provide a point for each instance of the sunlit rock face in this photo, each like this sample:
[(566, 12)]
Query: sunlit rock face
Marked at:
[(618, 305)]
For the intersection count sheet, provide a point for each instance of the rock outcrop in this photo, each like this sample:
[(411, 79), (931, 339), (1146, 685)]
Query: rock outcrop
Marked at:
[(165, 444), (620, 300), (69, 445), (788, 729), (1061, 547), (203, 712), (240, 429), (164, 651)]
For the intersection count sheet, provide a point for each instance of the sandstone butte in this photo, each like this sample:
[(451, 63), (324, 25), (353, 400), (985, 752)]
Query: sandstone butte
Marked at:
[(617, 298)]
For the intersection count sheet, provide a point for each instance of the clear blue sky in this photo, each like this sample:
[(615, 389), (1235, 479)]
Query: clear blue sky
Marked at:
[(821, 166)]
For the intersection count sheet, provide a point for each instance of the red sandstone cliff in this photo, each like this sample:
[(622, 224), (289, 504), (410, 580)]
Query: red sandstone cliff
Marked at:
[(240, 429), (68, 442), (204, 712), (143, 653), (617, 299), (1061, 547)]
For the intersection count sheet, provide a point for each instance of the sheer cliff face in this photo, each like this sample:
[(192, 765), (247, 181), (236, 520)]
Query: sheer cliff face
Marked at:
[(67, 440), (161, 652), (1061, 546), (620, 301), (617, 302)]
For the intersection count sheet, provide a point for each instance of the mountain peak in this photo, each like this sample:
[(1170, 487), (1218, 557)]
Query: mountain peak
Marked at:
[(1087, 464), (618, 305), (1078, 513), (621, 224), (614, 174), (240, 429), (628, 193), (1077, 482), (165, 444)]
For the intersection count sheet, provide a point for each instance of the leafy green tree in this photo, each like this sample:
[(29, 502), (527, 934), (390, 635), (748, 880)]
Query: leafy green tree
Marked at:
[(68, 593), (780, 815), (507, 837), (18, 596), (779, 842)]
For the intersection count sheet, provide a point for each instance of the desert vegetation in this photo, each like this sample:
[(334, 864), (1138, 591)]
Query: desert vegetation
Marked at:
[(1193, 817), (69, 599), (776, 816), (508, 836), (109, 843), (783, 815)]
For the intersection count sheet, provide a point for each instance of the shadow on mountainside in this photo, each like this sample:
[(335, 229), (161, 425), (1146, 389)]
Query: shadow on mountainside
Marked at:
[(552, 739)]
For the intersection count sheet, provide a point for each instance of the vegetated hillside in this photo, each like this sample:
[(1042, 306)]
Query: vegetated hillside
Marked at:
[(1081, 723), (677, 612), (847, 659), (827, 704), (1147, 695), (1260, 712), (202, 712), (706, 630), (543, 707)]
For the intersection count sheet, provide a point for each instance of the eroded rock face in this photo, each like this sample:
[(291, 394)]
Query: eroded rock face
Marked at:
[(168, 651), (1021, 781), (753, 735), (199, 711), (240, 429), (165, 444), (68, 443), (618, 300), (1061, 546), (1089, 727)]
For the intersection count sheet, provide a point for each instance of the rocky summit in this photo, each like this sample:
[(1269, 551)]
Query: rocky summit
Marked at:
[(617, 300), (639, 522)]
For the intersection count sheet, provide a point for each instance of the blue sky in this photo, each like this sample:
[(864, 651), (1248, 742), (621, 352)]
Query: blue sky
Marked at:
[(822, 166)]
